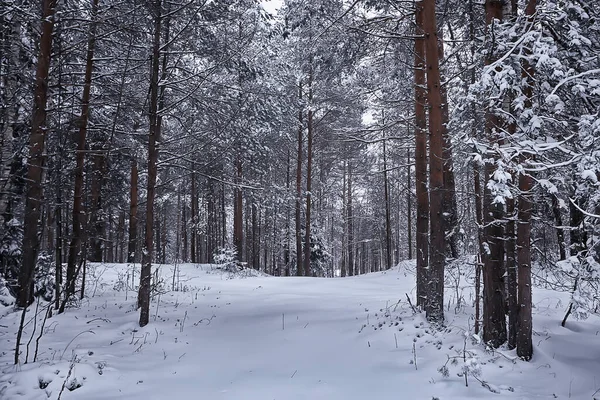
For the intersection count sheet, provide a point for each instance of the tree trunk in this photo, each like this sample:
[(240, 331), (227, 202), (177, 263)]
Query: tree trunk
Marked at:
[(388, 221), (299, 190), (524, 339), (309, 159), (288, 217), (153, 138), (511, 273), (350, 246), (409, 227), (34, 192), (79, 215), (238, 228), (494, 321), (560, 233), (449, 207), (194, 212), (435, 297), (133, 212), (422, 234)]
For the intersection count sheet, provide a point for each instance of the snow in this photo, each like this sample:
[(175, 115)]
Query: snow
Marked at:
[(225, 335)]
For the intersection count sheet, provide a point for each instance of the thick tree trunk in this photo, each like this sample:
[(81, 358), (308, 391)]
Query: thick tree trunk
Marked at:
[(434, 306), (494, 320), (525, 327), (422, 234), (35, 167), (153, 138)]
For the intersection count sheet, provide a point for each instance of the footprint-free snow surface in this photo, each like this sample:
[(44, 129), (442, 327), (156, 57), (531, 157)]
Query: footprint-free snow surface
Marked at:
[(245, 336)]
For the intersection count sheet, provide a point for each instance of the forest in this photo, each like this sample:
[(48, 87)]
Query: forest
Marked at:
[(154, 149)]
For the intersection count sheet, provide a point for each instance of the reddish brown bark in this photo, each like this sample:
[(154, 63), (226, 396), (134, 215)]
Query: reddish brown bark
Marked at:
[(422, 234), (524, 332), (434, 306)]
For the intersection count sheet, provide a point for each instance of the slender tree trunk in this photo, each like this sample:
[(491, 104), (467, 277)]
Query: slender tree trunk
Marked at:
[(422, 234), (184, 233), (343, 269), (435, 297), (511, 273), (388, 220), (254, 229), (154, 137), (560, 233), (449, 205), (299, 190), (309, 160), (194, 212), (133, 212), (350, 246), (58, 249), (288, 217), (409, 227), (238, 228), (79, 214)]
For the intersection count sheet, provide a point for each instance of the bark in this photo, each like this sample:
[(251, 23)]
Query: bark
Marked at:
[(194, 212), (153, 138), (524, 332), (309, 161), (343, 269), (422, 233), (35, 167), (350, 246), (560, 233), (409, 227), (299, 190), (494, 321), (449, 206), (255, 234), (238, 228), (288, 217), (578, 233), (434, 306), (388, 221), (96, 220), (511, 274), (133, 213), (79, 213), (58, 250)]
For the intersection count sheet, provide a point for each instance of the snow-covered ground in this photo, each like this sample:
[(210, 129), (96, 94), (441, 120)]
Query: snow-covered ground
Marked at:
[(223, 336)]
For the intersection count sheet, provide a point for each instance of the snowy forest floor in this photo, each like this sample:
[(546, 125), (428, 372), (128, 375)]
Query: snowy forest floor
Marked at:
[(249, 336)]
